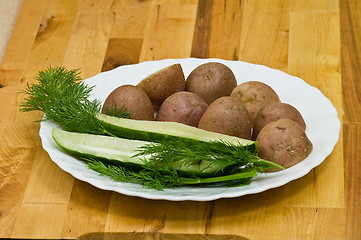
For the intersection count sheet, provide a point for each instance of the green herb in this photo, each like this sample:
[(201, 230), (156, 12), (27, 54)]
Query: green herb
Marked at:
[(160, 178), (149, 176), (63, 98), (235, 165), (226, 156), (121, 112)]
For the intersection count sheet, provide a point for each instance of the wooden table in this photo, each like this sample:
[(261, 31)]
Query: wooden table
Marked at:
[(317, 40)]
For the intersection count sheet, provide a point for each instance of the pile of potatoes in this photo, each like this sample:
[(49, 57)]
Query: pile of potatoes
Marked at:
[(209, 98)]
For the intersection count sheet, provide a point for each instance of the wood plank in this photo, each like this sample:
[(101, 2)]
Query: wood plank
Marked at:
[(312, 6), (214, 21), (189, 217), (47, 182), (24, 33), (131, 18), (17, 152), (350, 69), (202, 29), (168, 236), (352, 158), (177, 2), (351, 64), (314, 55), (86, 202), (244, 215), (10, 81), (49, 47), (169, 32), (226, 28), (9, 12), (122, 51), (264, 35), (128, 214), (313, 223), (52, 38), (29, 225), (89, 37)]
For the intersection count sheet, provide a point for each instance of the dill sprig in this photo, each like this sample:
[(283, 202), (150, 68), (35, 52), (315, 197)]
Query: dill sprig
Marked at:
[(149, 176), (63, 98), (235, 165), (227, 157), (120, 112), (157, 178)]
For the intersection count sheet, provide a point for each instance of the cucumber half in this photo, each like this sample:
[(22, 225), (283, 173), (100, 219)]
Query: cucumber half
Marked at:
[(119, 151), (110, 149), (157, 131)]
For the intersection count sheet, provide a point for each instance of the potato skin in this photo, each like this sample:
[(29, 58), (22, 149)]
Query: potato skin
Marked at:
[(254, 95), (227, 115), (183, 107), (211, 81), (283, 142), (274, 111), (134, 99), (163, 83)]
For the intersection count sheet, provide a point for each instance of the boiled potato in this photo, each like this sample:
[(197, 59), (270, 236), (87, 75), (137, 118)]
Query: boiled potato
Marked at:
[(283, 142), (274, 111), (254, 95), (134, 99), (228, 116), (163, 83), (211, 81), (183, 107)]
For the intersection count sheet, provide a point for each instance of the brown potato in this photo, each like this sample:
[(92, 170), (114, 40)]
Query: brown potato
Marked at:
[(211, 81), (228, 116), (254, 95), (134, 99), (283, 142), (274, 111), (183, 107), (163, 83)]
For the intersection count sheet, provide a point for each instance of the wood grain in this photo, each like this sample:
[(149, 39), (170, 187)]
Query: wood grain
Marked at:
[(317, 40), (351, 67), (320, 68), (122, 51), (353, 179), (169, 32), (264, 34), (202, 29), (89, 37), (156, 236)]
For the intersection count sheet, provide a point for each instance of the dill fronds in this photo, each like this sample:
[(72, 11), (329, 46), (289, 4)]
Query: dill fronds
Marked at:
[(63, 98)]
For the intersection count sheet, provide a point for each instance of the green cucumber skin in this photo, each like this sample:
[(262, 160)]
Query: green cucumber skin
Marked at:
[(140, 135), (129, 133), (123, 132), (183, 171)]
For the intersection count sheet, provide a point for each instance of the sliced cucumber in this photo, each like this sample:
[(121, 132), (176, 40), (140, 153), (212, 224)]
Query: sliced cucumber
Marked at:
[(157, 131), (113, 150)]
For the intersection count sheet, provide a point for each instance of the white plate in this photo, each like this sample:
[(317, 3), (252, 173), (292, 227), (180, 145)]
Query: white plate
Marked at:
[(323, 127)]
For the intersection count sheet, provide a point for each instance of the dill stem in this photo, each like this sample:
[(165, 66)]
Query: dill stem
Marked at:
[(188, 181), (271, 164), (105, 132)]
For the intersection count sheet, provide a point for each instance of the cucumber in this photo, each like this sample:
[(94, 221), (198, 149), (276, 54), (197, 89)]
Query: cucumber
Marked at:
[(119, 151), (157, 131), (109, 149)]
